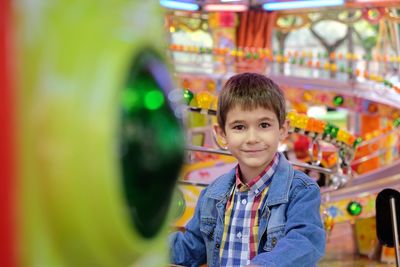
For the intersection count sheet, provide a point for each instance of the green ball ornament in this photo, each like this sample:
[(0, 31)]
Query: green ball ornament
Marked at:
[(187, 96), (327, 129), (386, 82), (338, 100), (180, 205), (334, 131), (354, 208), (396, 122), (357, 142)]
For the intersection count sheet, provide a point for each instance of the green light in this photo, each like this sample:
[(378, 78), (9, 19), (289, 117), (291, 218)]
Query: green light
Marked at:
[(153, 100), (386, 83), (180, 205), (328, 128), (354, 208), (349, 70), (396, 122), (334, 131), (188, 96), (151, 145), (357, 142), (338, 100)]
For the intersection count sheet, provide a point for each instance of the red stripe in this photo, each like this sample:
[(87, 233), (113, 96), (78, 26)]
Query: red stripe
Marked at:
[(253, 217), (7, 174)]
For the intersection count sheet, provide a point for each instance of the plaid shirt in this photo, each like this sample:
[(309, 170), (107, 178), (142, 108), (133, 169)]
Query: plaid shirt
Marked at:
[(240, 237)]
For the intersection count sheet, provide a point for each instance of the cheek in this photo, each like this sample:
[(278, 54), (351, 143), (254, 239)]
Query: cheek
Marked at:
[(233, 141)]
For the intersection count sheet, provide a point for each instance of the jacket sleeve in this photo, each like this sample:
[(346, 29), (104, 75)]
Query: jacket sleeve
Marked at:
[(188, 247), (303, 243)]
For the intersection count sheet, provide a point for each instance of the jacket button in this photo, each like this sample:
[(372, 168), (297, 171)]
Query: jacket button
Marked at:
[(217, 245), (274, 241)]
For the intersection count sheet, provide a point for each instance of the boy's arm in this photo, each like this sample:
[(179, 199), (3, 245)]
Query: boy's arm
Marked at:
[(304, 240), (188, 248)]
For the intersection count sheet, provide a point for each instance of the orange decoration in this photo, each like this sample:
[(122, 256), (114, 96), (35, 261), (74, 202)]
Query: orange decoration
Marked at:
[(372, 108), (186, 84), (307, 96), (310, 124), (319, 126)]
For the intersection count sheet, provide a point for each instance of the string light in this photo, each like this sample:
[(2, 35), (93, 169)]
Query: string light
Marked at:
[(354, 208), (251, 54)]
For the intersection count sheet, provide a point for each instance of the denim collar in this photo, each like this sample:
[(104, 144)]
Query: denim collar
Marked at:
[(278, 191)]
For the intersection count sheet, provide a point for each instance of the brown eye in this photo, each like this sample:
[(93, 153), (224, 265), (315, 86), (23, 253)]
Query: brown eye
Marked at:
[(238, 127), (265, 125)]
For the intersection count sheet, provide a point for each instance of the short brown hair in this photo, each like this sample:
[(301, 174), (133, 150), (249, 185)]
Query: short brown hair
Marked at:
[(250, 91)]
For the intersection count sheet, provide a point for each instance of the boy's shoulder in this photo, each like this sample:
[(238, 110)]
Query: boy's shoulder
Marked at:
[(300, 178)]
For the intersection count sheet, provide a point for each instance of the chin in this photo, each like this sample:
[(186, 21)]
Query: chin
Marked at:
[(257, 164)]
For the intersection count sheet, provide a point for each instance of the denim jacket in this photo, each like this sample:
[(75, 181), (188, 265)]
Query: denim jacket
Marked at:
[(290, 227)]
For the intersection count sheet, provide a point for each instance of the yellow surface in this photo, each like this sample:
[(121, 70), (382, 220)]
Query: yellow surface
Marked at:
[(191, 194), (365, 233), (72, 59)]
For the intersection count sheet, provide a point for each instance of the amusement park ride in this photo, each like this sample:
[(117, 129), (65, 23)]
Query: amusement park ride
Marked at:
[(339, 69)]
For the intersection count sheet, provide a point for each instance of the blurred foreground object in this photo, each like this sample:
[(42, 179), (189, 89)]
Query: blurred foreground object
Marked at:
[(7, 171), (99, 145)]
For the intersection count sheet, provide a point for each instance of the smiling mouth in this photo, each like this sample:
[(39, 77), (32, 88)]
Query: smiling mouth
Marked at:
[(254, 150)]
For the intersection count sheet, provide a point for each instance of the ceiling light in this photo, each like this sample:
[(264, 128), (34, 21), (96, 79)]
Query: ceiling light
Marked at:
[(180, 5), (301, 4), (225, 7)]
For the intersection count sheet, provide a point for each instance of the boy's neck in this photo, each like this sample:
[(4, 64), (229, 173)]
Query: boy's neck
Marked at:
[(248, 175)]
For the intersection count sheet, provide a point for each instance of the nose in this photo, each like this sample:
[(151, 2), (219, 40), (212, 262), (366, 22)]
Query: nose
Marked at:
[(252, 136)]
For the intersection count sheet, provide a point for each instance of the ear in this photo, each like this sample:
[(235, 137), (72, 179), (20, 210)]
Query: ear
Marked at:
[(284, 130), (220, 135)]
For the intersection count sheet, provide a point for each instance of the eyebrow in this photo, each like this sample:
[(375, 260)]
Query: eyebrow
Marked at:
[(243, 121), (237, 122), (266, 119)]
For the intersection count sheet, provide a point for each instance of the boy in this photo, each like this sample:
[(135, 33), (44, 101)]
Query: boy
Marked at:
[(263, 212)]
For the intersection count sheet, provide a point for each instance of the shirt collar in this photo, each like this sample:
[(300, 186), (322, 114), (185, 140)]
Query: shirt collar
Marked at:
[(261, 181)]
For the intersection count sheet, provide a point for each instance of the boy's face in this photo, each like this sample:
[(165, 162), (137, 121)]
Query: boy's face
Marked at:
[(252, 136)]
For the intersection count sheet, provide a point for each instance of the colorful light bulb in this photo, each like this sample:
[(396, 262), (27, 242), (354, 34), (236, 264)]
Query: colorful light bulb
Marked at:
[(354, 208)]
